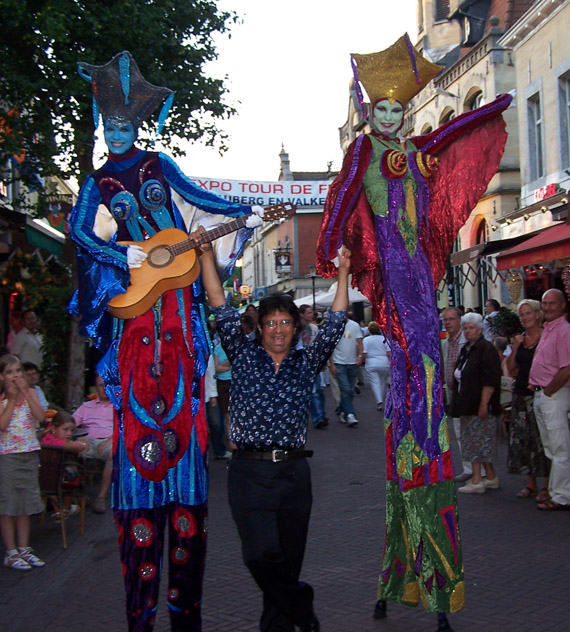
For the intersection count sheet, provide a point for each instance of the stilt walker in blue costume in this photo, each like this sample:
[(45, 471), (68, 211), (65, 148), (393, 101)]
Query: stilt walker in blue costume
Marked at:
[(153, 365), (398, 206)]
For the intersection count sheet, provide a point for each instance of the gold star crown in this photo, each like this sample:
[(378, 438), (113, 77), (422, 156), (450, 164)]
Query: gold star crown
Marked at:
[(397, 73)]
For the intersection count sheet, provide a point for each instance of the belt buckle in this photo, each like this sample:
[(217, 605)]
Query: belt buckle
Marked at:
[(278, 455)]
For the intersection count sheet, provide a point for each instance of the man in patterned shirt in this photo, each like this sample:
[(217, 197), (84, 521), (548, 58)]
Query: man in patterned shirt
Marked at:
[(269, 480)]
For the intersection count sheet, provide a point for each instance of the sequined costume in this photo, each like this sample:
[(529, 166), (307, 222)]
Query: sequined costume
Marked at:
[(398, 206), (153, 368)]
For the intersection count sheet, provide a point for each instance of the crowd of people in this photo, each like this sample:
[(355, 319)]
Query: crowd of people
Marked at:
[(168, 391), (533, 364)]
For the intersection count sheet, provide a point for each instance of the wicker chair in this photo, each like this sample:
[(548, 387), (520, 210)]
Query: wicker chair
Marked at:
[(53, 461)]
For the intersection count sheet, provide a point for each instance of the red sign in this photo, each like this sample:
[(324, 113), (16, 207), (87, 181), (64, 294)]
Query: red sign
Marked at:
[(544, 192)]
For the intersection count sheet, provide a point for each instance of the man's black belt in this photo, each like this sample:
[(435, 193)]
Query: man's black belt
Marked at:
[(274, 455)]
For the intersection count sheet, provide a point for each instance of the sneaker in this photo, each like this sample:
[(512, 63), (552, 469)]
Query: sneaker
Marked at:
[(491, 483), (226, 455), (27, 554), (464, 476), (357, 390), (13, 560), (99, 506), (351, 420), (473, 488), (342, 418)]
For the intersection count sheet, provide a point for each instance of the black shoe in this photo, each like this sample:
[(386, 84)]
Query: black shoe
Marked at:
[(357, 390), (380, 609), (321, 424), (443, 625), (314, 626)]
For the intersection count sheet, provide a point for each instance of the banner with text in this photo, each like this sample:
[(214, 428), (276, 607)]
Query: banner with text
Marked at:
[(298, 192)]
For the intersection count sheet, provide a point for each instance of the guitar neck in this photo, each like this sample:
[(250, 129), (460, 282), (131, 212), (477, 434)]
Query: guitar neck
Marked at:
[(211, 235)]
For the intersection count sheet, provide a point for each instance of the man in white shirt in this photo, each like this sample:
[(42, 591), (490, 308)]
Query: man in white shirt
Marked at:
[(492, 308), (28, 341), (346, 359)]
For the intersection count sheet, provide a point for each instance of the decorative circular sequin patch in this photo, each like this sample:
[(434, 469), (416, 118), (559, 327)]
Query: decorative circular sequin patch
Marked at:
[(179, 555), (123, 205), (171, 443), (173, 594), (184, 523), (152, 195), (148, 451), (142, 532), (147, 572)]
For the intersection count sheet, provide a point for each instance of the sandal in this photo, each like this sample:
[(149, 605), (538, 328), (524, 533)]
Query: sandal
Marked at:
[(14, 561), (551, 505), (543, 496), (527, 492)]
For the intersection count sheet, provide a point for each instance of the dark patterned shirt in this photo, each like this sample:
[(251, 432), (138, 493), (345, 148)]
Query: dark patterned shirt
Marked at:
[(268, 409)]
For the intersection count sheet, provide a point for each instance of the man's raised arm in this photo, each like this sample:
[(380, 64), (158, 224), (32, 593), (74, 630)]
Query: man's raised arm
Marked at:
[(210, 277)]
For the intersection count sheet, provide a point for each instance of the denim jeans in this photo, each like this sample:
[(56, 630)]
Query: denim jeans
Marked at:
[(346, 377), (317, 401)]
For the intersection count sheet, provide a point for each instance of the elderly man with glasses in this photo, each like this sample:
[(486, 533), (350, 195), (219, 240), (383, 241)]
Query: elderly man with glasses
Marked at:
[(269, 479), (450, 350)]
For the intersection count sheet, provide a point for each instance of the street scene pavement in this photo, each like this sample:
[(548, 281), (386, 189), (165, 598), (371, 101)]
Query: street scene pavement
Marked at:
[(517, 559)]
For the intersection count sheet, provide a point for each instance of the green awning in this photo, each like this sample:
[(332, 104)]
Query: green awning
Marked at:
[(39, 239)]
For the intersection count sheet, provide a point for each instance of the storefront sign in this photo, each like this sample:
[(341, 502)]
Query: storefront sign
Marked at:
[(545, 192), (300, 193)]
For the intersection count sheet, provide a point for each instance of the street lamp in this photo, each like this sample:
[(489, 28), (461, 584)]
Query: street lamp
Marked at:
[(313, 274)]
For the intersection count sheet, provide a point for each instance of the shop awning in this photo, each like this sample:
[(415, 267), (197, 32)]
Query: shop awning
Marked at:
[(488, 248), (549, 245)]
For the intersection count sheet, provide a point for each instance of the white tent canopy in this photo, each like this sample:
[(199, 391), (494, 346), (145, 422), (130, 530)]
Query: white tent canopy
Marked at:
[(325, 299)]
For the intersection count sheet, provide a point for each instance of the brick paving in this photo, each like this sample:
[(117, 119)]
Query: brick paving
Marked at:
[(517, 559)]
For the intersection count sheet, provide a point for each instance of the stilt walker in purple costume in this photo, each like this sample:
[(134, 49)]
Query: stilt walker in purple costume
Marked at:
[(153, 365), (398, 205)]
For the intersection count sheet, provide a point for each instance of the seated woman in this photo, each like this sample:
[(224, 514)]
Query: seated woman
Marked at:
[(477, 392), (59, 434)]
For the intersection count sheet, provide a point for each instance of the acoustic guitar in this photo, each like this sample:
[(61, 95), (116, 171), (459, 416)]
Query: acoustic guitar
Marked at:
[(172, 262)]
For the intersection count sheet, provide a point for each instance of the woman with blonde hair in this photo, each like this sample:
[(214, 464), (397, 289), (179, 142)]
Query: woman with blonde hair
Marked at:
[(525, 446)]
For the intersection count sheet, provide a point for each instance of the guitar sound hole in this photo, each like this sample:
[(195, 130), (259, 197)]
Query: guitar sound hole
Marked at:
[(159, 257)]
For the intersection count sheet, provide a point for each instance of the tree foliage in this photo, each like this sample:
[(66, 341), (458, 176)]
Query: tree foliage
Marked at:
[(45, 106)]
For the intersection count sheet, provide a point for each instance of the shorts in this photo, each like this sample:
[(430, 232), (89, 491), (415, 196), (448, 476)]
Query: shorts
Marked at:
[(98, 449)]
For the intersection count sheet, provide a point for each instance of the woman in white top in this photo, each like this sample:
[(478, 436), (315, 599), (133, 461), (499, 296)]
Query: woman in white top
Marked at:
[(376, 356)]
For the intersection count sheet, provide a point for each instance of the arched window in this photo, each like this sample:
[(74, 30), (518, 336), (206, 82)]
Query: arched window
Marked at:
[(447, 114), (426, 129), (474, 99)]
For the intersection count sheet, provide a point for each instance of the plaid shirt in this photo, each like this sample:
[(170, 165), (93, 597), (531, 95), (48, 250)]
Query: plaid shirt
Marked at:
[(453, 349)]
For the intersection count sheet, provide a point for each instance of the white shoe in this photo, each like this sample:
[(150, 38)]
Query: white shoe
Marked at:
[(351, 420), (473, 488), (27, 554), (491, 483), (342, 418)]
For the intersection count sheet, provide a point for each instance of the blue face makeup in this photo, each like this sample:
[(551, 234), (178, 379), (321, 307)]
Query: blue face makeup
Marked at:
[(120, 137)]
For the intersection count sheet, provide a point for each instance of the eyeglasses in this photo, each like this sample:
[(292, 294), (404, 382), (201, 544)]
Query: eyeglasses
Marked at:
[(271, 324)]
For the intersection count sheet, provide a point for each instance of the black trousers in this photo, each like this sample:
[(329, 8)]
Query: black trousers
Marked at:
[(271, 506)]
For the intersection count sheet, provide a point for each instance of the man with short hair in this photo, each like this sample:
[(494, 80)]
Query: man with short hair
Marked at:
[(33, 377), (550, 380), (96, 416), (308, 333), (269, 481), (28, 341), (450, 350), (345, 360), (492, 308)]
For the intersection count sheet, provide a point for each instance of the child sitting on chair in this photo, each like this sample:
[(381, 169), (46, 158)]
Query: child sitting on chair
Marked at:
[(59, 434)]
